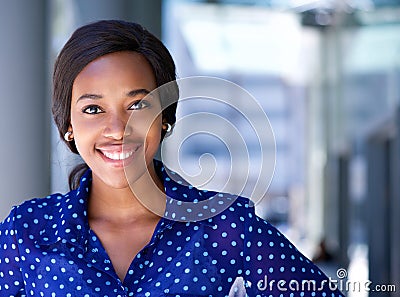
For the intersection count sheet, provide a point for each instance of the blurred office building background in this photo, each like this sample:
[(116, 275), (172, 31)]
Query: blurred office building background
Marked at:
[(326, 73)]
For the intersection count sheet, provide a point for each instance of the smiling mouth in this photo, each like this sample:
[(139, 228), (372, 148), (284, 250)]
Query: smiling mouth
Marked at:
[(118, 156)]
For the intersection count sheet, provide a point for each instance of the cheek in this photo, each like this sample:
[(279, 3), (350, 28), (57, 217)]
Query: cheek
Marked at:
[(155, 131), (83, 133), (153, 136), (81, 143), (80, 124), (146, 125)]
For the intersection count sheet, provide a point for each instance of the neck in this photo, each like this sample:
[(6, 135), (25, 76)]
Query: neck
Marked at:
[(141, 201)]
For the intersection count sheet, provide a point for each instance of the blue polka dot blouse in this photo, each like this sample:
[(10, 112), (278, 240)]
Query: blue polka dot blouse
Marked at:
[(48, 249)]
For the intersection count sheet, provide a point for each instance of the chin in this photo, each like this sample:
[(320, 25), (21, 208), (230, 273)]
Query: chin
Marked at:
[(113, 180)]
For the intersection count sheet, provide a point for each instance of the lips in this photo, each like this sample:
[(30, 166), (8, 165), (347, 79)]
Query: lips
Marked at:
[(115, 153)]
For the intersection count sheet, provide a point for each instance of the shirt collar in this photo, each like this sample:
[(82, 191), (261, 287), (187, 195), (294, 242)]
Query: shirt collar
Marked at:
[(177, 187), (186, 203), (181, 195), (70, 222)]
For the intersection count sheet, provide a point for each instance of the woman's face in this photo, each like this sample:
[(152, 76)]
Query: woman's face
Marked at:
[(107, 93)]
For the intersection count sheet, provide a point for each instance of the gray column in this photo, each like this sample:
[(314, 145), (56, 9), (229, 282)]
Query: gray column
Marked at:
[(379, 209), (395, 203), (146, 13), (24, 112)]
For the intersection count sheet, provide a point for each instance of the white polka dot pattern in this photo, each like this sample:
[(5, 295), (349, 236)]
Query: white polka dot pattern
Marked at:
[(48, 249)]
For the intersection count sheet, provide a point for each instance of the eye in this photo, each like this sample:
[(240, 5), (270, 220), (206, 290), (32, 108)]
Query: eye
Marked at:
[(139, 105), (92, 109)]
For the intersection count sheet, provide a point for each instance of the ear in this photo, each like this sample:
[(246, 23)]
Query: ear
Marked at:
[(70, 129), (69, 134)]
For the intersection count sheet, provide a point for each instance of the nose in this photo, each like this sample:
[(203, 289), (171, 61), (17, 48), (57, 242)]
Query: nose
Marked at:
[(116, 127)]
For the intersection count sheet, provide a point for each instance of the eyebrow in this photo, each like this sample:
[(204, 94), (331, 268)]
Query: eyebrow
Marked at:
[(132, 93)]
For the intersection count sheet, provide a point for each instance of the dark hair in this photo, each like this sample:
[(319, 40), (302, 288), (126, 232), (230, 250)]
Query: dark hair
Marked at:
[(97, 39)]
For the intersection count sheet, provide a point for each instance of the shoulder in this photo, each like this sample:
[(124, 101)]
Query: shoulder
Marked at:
[(236, 215), (254, 228), (239, 218), (229, 207), (54, 207), (34, 215), (30, 216), (40, 207)]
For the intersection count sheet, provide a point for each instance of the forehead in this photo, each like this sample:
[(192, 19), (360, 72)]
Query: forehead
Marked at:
[(127, 68)]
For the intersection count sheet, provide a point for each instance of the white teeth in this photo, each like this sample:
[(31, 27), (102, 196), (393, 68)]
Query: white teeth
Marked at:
[(117, 156)]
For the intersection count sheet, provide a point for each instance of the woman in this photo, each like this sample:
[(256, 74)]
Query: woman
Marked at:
[(99, 239)]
